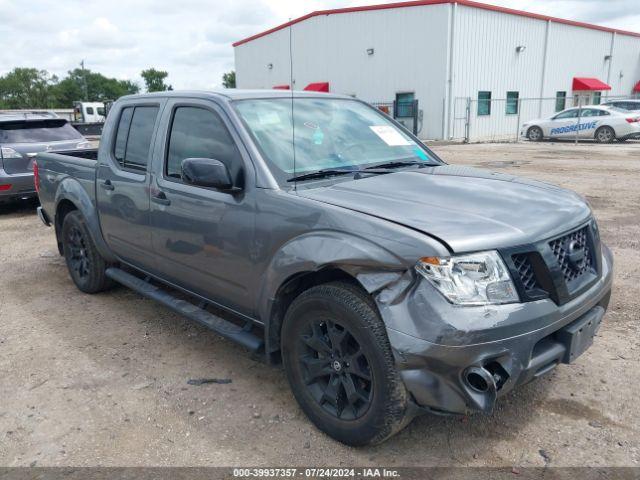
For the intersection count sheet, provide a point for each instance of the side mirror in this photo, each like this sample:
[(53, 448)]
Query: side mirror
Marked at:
[(206, 172)]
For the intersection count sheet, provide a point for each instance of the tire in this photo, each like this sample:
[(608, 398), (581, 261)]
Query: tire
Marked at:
[(340, 319), (86, 266), (535, 134), (605, 135)]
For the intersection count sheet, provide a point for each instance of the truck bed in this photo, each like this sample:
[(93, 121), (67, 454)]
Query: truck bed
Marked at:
[(76, 168), (86, 153)]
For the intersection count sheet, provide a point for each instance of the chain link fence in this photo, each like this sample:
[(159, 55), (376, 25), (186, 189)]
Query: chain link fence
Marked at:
[(500, 120)]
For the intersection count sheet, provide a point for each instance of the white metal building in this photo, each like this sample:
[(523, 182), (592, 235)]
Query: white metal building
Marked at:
[(443, 52)]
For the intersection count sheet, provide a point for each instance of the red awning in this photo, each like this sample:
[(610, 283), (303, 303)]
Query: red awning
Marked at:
[(282, 87), (636, 89), (593, 84), (317, 87)]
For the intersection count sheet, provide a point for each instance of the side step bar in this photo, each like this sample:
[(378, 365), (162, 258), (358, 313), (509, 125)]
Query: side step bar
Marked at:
[(189, 310)]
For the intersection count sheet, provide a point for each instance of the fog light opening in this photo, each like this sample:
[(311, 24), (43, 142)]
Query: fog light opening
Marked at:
[(498, 373)]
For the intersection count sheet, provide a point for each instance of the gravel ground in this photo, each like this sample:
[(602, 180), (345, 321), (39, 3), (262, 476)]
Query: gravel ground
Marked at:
[(102, 380)]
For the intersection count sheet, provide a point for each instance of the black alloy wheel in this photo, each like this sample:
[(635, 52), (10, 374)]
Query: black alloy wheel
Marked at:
[(340, 365), (79, 260), (337, 372), (86, 266)]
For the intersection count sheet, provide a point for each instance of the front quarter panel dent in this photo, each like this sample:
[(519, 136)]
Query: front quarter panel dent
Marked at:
[(316, 250)]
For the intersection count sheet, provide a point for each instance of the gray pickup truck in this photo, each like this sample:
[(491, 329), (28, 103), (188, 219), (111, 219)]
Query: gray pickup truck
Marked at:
[(315, 230)]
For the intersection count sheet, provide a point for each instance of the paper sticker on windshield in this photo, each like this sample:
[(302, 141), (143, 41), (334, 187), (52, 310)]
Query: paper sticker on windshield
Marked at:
[(390, 135), (268, 118)]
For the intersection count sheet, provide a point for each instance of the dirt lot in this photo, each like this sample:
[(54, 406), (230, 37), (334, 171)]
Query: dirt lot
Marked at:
[(102, 380)]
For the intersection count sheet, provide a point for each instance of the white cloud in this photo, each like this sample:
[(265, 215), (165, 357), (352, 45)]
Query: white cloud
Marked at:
[(191, 39)]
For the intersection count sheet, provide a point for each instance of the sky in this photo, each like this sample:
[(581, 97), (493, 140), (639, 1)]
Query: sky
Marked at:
[(191, 39)]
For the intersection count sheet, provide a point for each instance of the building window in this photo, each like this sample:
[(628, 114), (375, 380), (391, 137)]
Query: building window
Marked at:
[(404, 105), (561, 101), (484, 103), (597, 96), (512, 103)]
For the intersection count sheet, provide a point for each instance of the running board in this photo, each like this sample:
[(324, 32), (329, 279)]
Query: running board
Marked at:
[(222, 327)]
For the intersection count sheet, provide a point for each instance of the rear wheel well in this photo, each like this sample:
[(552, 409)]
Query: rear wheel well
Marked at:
[(288, 291), (62, 210), (605, 127)]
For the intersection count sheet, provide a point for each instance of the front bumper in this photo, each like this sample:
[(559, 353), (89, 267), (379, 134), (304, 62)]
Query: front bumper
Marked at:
[(21, 186), (504, 346)]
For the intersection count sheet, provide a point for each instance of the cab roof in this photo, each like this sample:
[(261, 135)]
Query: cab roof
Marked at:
[(236, 94)]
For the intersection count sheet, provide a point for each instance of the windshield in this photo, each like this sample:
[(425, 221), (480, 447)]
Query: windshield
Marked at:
[(329, 134), (37, 131)]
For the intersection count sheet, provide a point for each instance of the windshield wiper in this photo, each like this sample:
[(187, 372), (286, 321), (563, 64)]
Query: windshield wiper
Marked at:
[(328, 172), (401, 163)]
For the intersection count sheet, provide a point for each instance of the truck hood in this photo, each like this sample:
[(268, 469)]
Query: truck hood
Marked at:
[(468, 209)]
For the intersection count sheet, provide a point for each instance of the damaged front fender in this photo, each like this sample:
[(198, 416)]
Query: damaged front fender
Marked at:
[(373, 266)]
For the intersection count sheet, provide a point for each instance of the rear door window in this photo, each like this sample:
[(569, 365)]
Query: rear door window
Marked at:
[(40, 131), (133, 137), (122, 133), (593, 112)]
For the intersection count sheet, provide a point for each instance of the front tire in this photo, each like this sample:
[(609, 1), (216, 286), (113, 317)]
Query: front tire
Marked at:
[(535, 134), (339, 363), (86, 266), (605, 135)]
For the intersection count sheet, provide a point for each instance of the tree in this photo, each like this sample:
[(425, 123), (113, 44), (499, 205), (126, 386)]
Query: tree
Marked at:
[(154, 80), (229, 79), (98, 88), (33, 88), (26, 88)]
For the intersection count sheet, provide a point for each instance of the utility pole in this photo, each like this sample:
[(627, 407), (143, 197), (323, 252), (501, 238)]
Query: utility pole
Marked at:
[(84, 81)]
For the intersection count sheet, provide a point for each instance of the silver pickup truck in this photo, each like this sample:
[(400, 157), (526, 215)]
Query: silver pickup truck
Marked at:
[(315, 230)]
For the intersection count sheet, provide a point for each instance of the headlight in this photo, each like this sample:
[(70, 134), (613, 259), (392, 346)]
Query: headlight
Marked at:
[(474, 279)]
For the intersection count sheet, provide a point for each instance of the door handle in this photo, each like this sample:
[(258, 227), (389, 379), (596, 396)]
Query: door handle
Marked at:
[(107, 185), (160, 198)]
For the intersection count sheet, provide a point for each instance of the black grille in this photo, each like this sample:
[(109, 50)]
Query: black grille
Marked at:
[(573, 254), (525, 270)]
